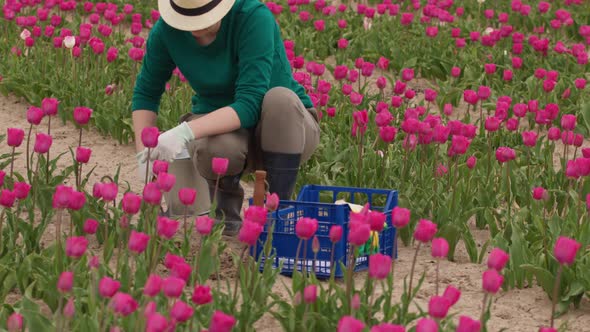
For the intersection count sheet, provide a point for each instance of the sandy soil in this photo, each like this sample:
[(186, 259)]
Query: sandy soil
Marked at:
[(515, 310)]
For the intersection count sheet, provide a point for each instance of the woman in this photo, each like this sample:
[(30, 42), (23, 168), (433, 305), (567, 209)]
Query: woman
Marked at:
[(247, 107)]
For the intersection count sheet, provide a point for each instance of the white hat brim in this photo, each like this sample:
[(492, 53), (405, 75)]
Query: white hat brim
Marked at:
[(193, 23)]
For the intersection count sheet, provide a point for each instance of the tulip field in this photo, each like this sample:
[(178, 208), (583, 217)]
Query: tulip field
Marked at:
[(476, 112)]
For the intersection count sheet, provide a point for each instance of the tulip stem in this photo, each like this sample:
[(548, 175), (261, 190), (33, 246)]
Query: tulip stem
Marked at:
[(48, 150), (412, 269), (555, 293), (332, 269), (147, 166), (304, 267), (12, 162), (238, 274), (297, 256), (1, 223), (196, 269), (349, 280), (437, 279), (483, 308), (184, 222), (28, 150)]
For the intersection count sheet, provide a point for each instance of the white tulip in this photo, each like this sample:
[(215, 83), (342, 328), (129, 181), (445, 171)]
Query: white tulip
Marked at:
[(69, 42), (25, 34)]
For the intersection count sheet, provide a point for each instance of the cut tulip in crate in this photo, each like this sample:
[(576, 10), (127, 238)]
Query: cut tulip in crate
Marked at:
[(330, 206)]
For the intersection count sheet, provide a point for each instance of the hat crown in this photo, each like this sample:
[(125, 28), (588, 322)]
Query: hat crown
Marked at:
[(190, 4)]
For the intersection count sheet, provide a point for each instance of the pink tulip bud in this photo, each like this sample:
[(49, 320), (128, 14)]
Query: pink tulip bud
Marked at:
[(61, 197), (249, 232), (34, 115), (407, 74), (107, 287), (310, 294), (20, 190), (271, 204), (350, 324), (484, 92), (359, 233), (69, 309), (497, 259), (470, 97), (305, 228), (219, 165), (42, 143), (166, 228), (257, 214), (138, 242), (160, 166), (165, 181), (172, 287), (376, 220), (553, 134), (505, 154), (90, 226), (123, 304), (426, 325), (580, 83), (131, 203), (76, 246), (151, 194), (355, 303), (204, 224), (466, 324), (492, 123), (568, 122), (156, 322), (400, 217), (149, 137), (83, 154), (342, 43), (529, 138), (181, 312), (7, 198), (335, 233), (539, 193), (14, 323), (379, 266), (65, 282), (109, 191), (221, 322), (452, 294), (202, 295), (49, 106), (565, 250), (547, 329), (187, 196), (82, 115), (492, 281), (438, 307), (152, 286), (425, 230), (440, 248), (14, 137)]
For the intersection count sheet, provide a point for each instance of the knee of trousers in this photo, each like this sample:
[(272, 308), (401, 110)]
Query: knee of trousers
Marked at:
[(280, 104), (231, 146)]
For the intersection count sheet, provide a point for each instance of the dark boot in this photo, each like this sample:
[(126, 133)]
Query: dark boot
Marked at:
[(230, 197), (281, 173)]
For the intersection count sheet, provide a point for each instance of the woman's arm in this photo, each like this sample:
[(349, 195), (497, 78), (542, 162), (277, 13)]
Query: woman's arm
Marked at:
[(142, 119), (220, 121)]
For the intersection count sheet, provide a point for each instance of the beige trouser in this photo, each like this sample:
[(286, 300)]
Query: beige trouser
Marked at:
[(285, 126)]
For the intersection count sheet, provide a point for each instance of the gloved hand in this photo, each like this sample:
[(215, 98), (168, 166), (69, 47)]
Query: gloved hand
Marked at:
[(142, 165), (170, 144)]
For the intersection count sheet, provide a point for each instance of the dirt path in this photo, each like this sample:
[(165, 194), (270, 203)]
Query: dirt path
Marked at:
[(516, 310)]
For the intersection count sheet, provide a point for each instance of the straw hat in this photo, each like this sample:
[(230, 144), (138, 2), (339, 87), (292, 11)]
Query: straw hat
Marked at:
[(191, 15)]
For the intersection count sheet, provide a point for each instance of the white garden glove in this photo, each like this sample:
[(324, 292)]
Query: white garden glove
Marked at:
[(141, 166), (170, 144)]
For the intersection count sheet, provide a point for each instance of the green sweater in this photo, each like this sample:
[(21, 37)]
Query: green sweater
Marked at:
[(246, 59)]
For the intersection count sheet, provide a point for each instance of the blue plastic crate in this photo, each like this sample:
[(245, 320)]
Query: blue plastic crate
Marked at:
[(317, 202)]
